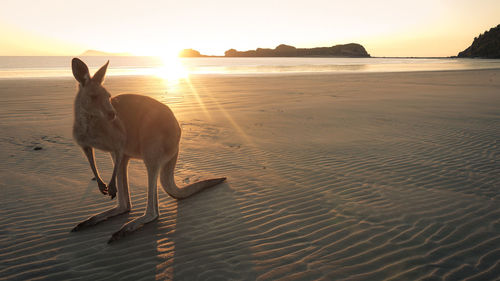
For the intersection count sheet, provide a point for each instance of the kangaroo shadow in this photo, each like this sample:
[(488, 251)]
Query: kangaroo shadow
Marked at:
[(210, 240)]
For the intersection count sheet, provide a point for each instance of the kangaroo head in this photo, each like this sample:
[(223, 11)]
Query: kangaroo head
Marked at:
[(92, 97)]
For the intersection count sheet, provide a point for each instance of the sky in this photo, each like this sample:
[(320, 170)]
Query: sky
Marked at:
[(424, 28)]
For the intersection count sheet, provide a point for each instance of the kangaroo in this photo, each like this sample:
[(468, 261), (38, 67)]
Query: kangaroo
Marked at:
[(128, 126)]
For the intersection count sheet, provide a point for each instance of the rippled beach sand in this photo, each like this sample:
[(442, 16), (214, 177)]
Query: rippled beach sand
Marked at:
[(381, 176)]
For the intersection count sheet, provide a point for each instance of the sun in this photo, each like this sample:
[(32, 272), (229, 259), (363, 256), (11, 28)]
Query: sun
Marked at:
[(173, 68)]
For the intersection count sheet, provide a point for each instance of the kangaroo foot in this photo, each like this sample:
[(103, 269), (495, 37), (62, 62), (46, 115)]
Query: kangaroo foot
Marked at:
[(130, 227), (100, 218), (84, 224)]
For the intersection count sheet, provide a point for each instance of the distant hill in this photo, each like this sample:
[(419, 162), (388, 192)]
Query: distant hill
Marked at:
[(190, 53), (487, 45), (100, 53), (351, 50)]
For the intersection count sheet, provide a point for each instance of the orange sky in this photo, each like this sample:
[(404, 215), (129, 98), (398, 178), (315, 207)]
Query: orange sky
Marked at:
[(146, 27)]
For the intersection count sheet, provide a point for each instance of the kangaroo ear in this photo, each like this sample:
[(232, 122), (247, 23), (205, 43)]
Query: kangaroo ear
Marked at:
[(80, 71), (99, 75)]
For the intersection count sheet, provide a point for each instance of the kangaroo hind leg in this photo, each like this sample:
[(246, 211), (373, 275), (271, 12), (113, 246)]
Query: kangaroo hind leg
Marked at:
[(153, 164)]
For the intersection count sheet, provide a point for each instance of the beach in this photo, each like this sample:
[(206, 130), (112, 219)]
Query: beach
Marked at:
[(363, 176)]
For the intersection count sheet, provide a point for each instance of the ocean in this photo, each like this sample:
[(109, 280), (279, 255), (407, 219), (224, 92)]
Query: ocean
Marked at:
[(60, 66)]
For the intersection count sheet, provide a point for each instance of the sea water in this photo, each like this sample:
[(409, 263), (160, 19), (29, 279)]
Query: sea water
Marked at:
[(60, 66)]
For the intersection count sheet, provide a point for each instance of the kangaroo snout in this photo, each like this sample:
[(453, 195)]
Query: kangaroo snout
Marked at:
[(111, 115)]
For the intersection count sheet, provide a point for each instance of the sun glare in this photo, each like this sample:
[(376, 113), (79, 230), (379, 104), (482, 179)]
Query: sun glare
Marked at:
[(172, 69)]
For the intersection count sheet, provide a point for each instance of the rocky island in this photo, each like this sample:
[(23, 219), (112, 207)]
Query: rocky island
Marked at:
[(351, 50), (190, 53), (348, 50), (486, 45)]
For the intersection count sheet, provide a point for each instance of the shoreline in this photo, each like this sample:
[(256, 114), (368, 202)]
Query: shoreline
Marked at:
[(277, 74)]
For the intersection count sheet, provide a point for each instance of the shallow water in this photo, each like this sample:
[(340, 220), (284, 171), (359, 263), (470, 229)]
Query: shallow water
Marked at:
[(60, 66)]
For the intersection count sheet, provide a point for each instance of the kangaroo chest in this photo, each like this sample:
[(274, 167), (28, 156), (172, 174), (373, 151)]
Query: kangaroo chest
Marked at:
[(93, 132)]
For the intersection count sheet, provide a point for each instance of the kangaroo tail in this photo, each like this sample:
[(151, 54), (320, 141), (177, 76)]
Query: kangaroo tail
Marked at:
[(168, 182)]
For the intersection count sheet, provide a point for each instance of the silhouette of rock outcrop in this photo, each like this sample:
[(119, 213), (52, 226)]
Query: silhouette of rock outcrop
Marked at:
[(190, 53), (487, 45), (351, 50)]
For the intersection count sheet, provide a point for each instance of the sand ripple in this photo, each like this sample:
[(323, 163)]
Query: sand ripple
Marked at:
[(400, 186)]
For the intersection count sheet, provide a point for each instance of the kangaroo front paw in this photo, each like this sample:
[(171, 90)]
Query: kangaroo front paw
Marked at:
[(102, 187), (112, 190)]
